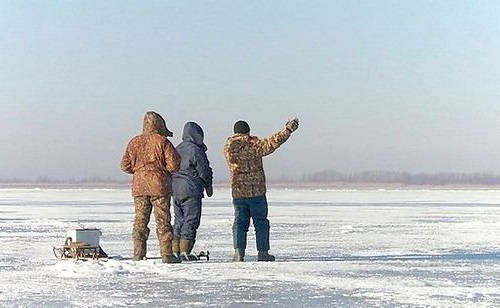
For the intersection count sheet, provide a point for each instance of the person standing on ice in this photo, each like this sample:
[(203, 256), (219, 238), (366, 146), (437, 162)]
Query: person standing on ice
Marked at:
[(151, 158), (244, 154), (188, 184)]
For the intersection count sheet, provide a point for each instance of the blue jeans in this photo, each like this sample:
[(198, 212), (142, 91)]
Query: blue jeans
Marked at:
[(256, 208), (187, 213)]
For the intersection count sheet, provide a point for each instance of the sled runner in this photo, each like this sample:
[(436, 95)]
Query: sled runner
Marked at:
[(203, 255), (195, 257), (77, 250), (81, 244)]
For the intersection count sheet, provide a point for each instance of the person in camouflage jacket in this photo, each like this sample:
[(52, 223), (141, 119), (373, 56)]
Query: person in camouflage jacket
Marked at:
[(151, 158), (244, 154)]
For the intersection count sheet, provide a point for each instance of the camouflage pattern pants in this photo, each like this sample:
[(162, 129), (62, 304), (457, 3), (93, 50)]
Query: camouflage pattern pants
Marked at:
[(143, 207)]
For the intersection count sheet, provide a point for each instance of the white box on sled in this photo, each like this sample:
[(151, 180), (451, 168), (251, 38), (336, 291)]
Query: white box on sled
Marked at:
[(89, 236)]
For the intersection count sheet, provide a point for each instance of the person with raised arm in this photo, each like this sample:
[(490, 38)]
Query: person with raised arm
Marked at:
[(244, 154)]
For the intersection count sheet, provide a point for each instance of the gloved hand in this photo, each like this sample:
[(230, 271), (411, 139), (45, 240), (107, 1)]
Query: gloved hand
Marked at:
[(292, 125), (209, 190)]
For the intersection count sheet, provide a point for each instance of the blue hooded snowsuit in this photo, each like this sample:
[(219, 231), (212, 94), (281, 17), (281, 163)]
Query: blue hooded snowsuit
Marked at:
[(189, 182)]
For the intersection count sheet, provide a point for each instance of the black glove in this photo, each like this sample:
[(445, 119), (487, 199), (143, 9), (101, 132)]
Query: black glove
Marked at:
[(292, 125), (209, 190)]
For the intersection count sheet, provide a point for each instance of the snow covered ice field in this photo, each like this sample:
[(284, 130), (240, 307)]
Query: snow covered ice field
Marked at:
[(389, 248)]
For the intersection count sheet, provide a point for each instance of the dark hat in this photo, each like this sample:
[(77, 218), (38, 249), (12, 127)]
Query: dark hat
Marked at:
[(241, 127)]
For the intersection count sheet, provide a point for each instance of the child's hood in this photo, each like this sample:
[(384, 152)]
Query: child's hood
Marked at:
[(193, 133)]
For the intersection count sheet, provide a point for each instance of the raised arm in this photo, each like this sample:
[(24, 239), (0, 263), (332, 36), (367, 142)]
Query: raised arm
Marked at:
[(268, 145)]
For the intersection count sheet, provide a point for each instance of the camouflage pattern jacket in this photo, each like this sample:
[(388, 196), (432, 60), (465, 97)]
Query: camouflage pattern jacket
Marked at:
[(151, 158), (244, 156)]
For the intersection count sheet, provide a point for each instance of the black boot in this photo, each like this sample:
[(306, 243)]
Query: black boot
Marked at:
[(265, 256), (239, 255), (170, 259), (185, 247)]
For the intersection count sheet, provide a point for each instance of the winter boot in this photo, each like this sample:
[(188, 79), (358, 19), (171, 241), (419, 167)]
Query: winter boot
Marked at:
[(185, 247), (265, 256), (165, 247), (170, 259), (166, 252), (239, 255), (139, 250), (176, 247), (191, 246)]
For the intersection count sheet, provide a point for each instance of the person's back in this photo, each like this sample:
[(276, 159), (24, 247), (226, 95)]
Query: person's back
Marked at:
[(194, 173), (188, 183), (244, 154), (151, 158), (148, 164)]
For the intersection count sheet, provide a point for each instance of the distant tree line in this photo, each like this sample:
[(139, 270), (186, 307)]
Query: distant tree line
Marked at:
[(326, 176), (390, 177)]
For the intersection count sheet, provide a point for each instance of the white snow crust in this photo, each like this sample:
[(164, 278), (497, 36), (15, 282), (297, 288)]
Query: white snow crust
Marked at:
[(334, 248)]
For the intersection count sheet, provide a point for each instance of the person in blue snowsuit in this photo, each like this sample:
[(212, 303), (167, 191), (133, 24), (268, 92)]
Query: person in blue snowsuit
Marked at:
[(188, 184)]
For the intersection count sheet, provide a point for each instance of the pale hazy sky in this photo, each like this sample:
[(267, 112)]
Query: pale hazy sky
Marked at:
[(379, 85)]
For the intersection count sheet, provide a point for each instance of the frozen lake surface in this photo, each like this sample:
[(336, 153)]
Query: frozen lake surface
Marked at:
[(389, 248)]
